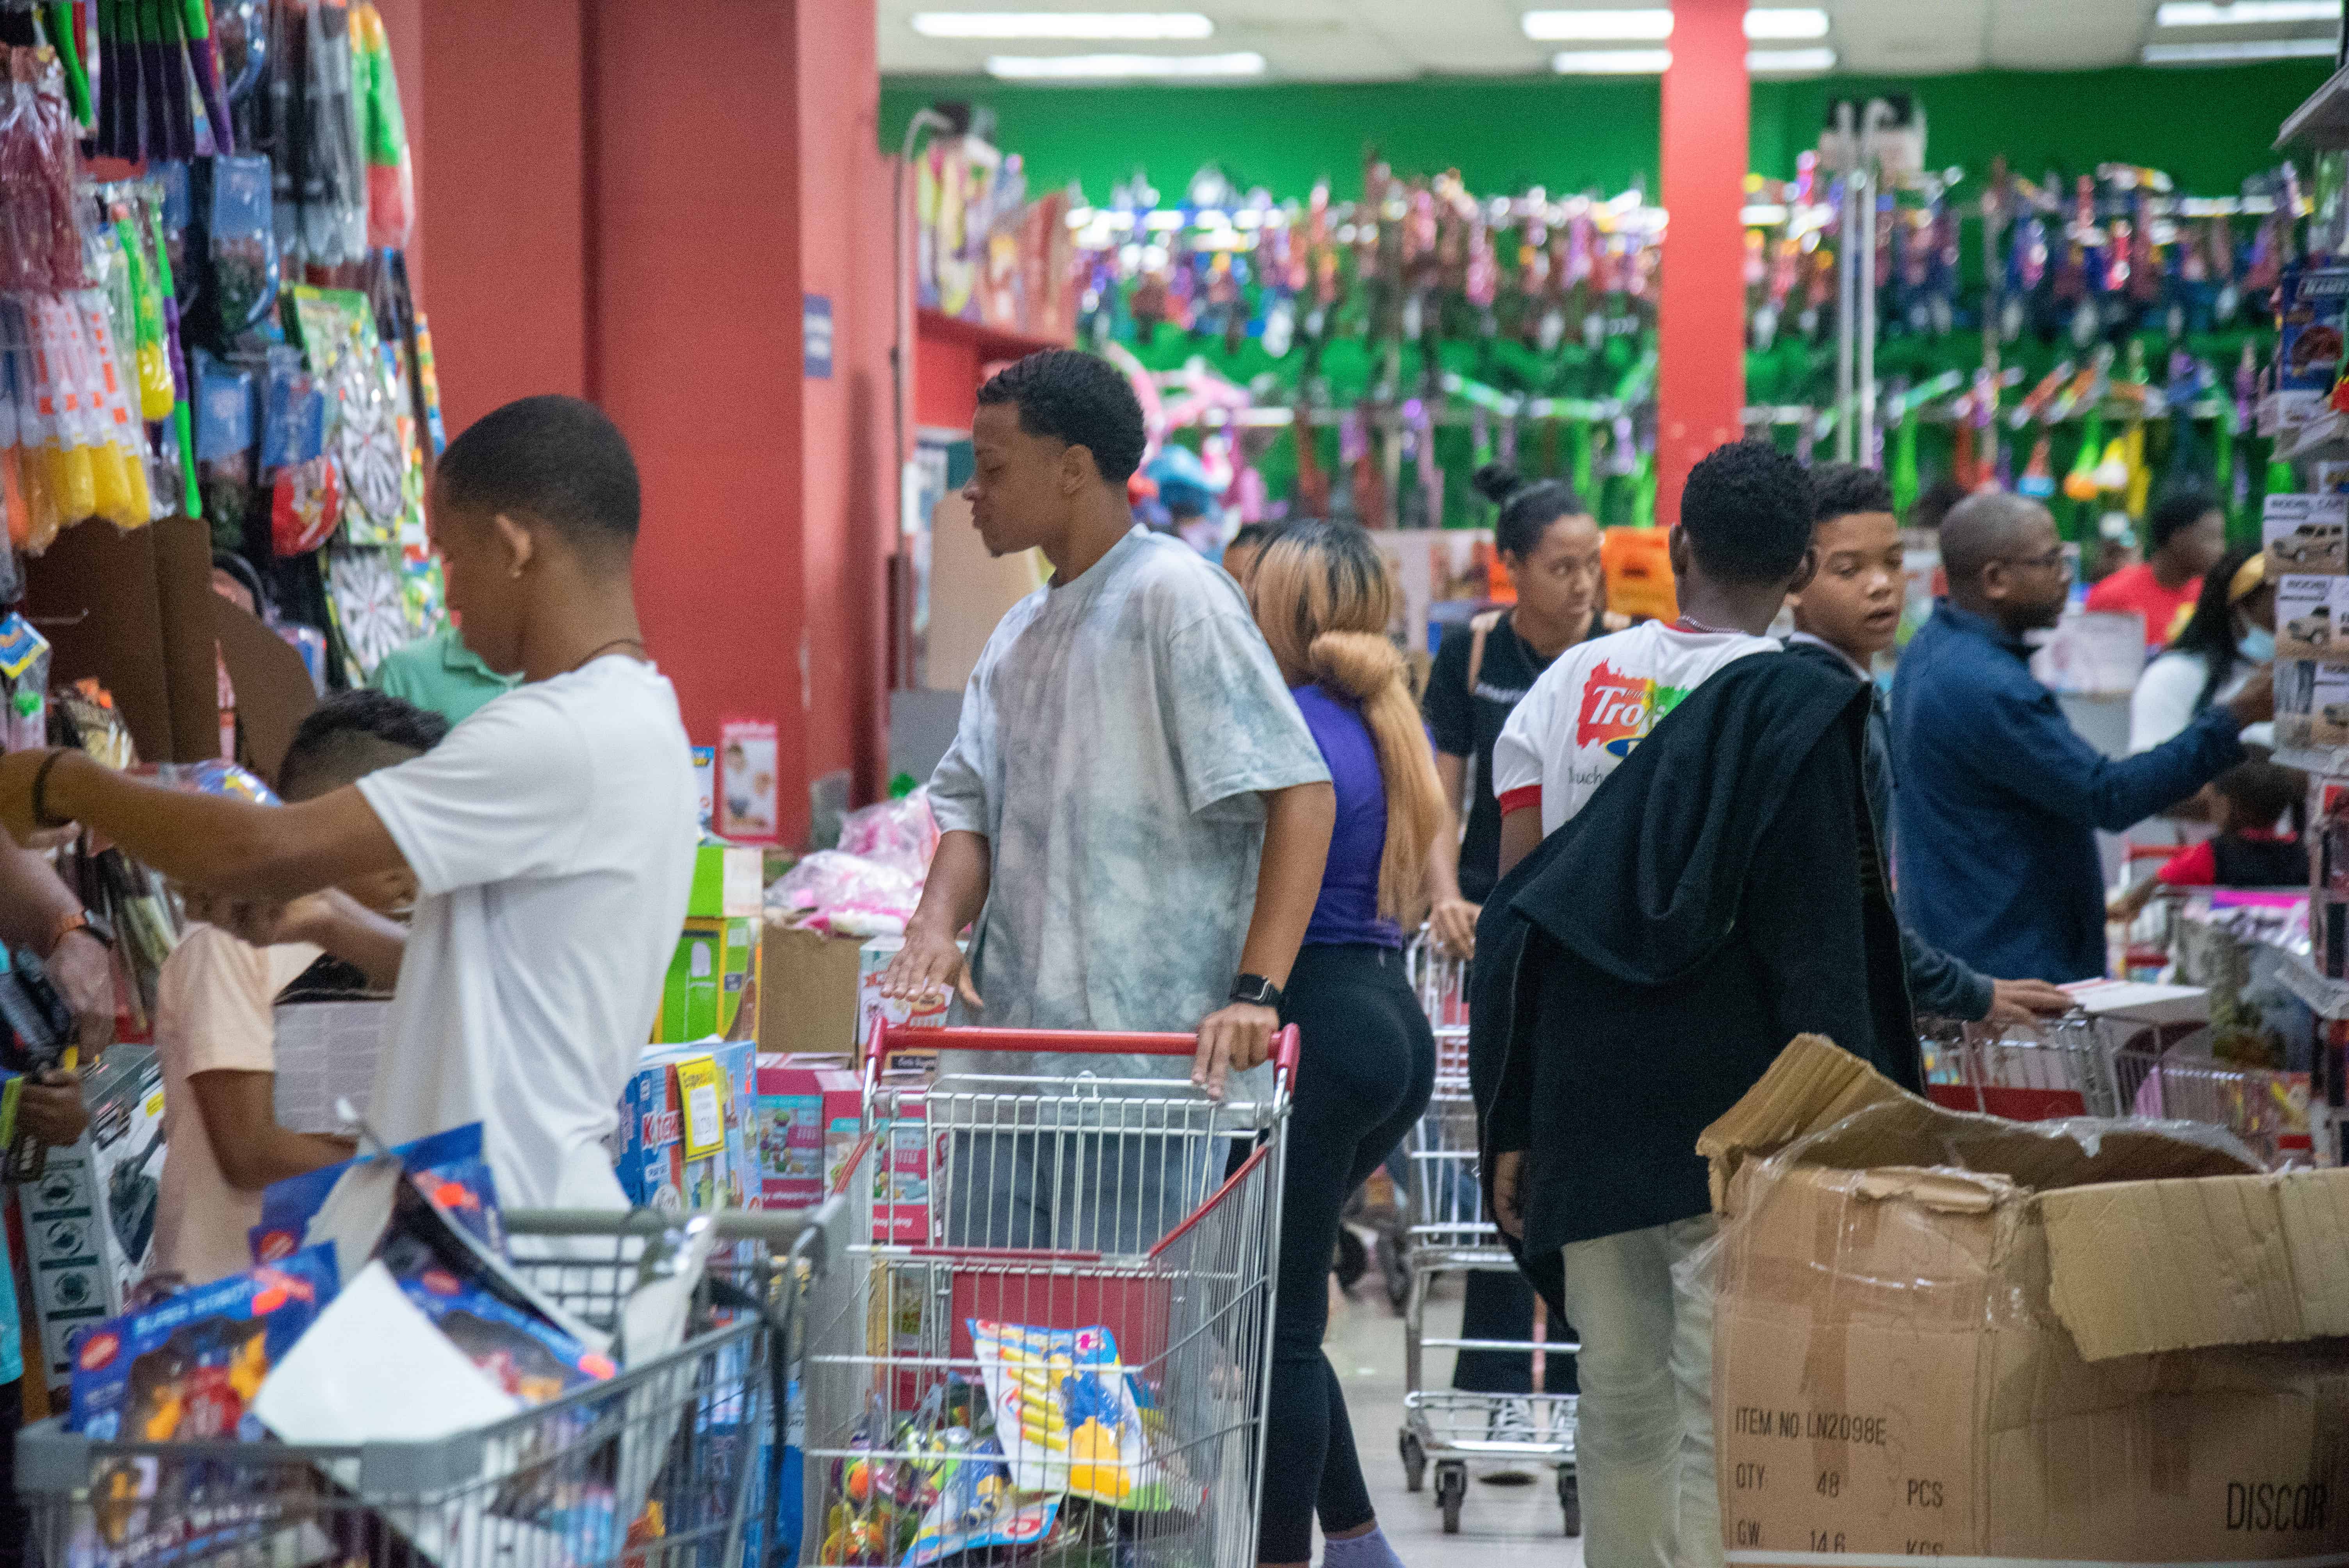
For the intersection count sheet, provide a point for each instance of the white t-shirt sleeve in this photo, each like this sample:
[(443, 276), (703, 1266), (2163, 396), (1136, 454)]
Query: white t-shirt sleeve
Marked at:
[(506, 797), (1517, 753), (2163, 704)]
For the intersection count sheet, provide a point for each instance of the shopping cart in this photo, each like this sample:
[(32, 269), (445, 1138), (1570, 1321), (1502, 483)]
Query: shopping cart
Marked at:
[(666, 1463), (1086, 1266), (2078, 1065), (1449, 1234)]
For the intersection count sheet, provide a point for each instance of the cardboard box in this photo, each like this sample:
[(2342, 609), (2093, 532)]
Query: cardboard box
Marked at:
[(673, 1152), (2311, 617), (2311, 704), (711, 982), (2305, 535), (807, 987), (1946, 1335), (2309, 316), (726, 882), (810, 1115)]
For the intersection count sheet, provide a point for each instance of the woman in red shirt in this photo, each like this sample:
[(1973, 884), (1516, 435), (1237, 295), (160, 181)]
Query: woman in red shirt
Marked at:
[(2185, 535)]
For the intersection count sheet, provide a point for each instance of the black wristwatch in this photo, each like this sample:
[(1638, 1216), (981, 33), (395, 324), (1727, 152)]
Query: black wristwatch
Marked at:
[(1257, 991)]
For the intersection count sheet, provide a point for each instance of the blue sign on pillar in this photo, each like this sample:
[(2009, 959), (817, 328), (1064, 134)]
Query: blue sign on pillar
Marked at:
[(815, 332)]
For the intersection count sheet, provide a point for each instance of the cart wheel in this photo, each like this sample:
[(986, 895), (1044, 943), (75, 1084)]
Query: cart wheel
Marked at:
[(1414, 1460), (1570, 1502), (1451, 1491)]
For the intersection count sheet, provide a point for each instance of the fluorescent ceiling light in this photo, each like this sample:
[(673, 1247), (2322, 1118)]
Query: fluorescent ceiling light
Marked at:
[(1610, 62), (2244, 13), (1081, 68), (2244, 49), (1779, 62), (1128, 25), (1653, 25), (1586, 25), (1792, 22)]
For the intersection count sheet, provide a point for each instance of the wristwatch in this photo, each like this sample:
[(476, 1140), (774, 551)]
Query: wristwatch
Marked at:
[(1257, 991), (83, 921)]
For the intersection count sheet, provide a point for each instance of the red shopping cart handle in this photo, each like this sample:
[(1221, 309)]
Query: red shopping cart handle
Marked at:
[(1067, 1042)]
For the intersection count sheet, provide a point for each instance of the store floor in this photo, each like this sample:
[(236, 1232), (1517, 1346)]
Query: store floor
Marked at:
[(1502, 1526)]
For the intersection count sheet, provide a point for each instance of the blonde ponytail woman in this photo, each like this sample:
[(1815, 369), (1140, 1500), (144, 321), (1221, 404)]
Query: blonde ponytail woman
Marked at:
[(1322, 597)]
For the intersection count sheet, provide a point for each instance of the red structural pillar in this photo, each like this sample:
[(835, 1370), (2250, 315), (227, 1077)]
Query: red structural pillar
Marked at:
[(1701, 379), (634, 204)]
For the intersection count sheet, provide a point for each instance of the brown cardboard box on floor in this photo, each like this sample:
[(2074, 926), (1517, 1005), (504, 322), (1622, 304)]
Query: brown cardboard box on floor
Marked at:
[(1944, 1334), (807, 992)]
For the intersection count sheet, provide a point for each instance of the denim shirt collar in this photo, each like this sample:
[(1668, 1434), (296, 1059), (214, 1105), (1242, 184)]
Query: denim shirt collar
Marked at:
[(1963, 620)]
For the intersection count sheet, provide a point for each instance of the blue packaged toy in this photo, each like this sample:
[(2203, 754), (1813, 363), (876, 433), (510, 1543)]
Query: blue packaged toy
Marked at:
[(187, 1370)]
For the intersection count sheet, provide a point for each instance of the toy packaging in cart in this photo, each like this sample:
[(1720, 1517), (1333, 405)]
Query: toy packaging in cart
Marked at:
[(1066, 1414), (187, 1369)]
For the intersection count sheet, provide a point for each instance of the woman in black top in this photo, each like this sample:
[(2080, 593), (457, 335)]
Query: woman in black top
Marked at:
[(1550, 544)]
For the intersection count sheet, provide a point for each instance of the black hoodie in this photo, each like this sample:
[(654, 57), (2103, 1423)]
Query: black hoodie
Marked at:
[(1720, 893)]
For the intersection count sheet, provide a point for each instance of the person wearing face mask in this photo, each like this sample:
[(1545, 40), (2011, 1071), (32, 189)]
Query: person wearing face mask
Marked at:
[(2230, 633)]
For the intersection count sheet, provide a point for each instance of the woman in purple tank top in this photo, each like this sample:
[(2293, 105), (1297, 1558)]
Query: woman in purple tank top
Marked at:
[(1322, 597)]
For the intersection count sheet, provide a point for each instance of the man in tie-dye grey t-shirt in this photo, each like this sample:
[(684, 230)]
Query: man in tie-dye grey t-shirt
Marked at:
[(1128, 758)]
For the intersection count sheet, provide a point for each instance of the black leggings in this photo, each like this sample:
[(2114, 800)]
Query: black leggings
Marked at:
[(1367, 1068)]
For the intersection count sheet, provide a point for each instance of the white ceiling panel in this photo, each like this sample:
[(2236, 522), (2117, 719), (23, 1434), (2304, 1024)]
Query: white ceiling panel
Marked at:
[(1373, 40)]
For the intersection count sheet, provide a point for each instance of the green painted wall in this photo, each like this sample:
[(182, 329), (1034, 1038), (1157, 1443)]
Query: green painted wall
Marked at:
[(2208, 128)]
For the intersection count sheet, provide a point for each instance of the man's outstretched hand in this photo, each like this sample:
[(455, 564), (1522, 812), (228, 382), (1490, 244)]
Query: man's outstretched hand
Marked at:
[(2019, 1001)]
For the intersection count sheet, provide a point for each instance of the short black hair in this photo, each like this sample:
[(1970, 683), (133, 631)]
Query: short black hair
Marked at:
[(556, 460), (2266, 792), (346, 738), (2174, 512), (1254, 535), (1928, 510), (1077, 398), (1839, 489), (1747, 513), (1527, 507)]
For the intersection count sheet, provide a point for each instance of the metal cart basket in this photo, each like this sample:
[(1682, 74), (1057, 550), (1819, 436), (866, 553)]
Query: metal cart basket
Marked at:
[(1082, 1272), (1449, 1233), (666, 1463)]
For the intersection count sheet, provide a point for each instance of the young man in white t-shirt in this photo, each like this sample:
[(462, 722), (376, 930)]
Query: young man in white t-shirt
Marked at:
[(1644, 1439), (550, 835)]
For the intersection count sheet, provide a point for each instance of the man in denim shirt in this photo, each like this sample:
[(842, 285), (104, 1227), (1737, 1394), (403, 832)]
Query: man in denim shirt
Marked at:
[(1999, 797)]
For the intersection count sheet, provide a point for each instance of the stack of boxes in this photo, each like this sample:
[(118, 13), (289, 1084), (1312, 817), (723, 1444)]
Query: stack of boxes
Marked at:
[(2307, 542)]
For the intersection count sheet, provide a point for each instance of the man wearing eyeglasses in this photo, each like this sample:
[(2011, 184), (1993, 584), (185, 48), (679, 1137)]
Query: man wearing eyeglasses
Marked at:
[(1998, 796)]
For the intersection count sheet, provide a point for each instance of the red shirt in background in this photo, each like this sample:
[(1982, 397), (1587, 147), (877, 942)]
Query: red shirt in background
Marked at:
[(2198, 865), (2135, 588)]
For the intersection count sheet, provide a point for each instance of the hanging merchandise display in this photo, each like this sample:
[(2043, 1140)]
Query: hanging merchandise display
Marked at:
[(1410, 315), (230, 335)]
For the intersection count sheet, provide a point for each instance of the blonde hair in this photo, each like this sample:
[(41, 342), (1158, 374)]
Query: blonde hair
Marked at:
[(1322, 596)]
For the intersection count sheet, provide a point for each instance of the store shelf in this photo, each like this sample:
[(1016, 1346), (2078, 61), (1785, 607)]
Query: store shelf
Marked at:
[(2325, 999), (2333, 762), (2324, 120), (2323, 439), (993, 344)]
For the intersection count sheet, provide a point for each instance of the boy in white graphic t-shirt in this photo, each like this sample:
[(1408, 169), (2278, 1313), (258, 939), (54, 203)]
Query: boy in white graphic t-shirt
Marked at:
[(1588, 709), (1643, 1435)]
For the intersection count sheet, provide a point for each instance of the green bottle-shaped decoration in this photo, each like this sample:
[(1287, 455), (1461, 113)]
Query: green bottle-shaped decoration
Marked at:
[(1643, 491), (1578, 461), (1905, 485)]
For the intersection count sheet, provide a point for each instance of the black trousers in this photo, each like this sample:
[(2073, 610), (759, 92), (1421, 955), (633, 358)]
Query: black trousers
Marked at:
[(1366, 1070), (1497, 1306)]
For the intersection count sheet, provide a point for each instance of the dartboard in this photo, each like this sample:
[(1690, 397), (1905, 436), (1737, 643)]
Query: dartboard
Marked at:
[(364, 587), (366, 441)]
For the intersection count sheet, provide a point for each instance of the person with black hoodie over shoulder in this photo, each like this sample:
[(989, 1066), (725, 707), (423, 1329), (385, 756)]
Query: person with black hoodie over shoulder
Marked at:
[(1720, 891)]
